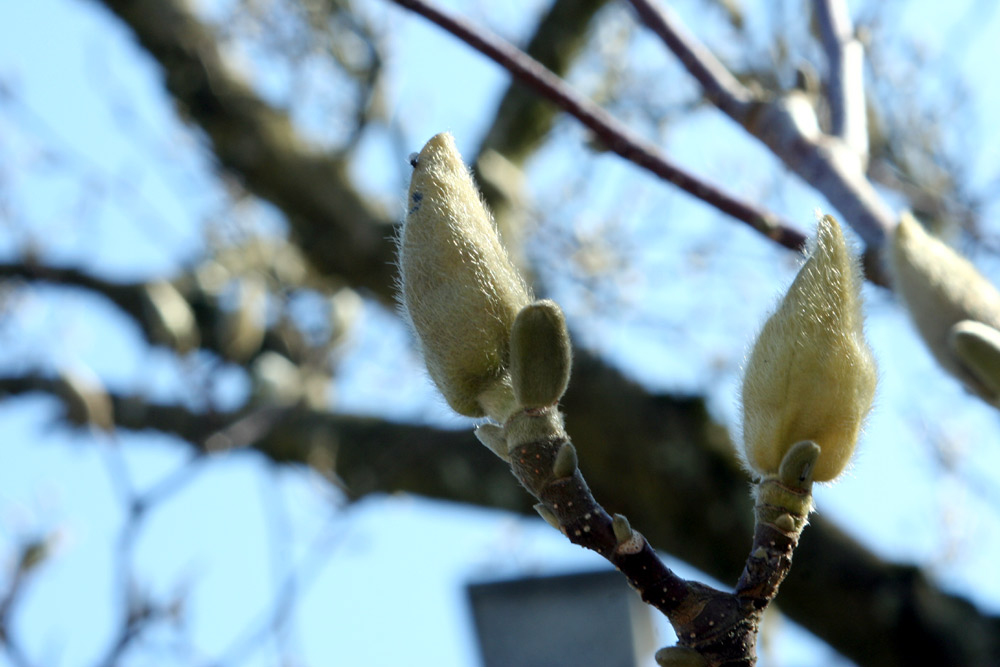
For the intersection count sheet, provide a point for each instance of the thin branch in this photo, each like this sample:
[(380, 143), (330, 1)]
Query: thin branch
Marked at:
[(126, 296), (845, 80), (523, 119), (33, 554), (611, 132), (202, 326), (788, 126), (722, 88)]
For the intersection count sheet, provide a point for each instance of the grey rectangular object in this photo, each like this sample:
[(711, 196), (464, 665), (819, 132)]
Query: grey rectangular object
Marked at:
[(579, 620)]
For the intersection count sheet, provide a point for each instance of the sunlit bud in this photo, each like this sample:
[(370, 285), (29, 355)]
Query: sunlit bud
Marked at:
[(942, 289), (811, 375), (460, 289)]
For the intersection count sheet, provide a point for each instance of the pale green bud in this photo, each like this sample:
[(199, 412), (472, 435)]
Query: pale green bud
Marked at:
[(566, 461), (811, 375), (459, 287), (540, 355), (942, 289)]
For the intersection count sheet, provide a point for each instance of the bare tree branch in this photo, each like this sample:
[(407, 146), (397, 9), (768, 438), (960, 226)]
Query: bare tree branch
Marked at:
[(613, 134), (523, 119), (845, 80), (788, 126), (722, 88), (143, 302), (128, 297), (341, 233), (33, 553)]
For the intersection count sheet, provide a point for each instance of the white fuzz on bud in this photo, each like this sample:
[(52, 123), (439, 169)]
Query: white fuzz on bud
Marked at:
[(811, 375), (459, 287)]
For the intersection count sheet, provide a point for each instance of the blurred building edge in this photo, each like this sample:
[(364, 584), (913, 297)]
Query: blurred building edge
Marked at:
[(590, 619)]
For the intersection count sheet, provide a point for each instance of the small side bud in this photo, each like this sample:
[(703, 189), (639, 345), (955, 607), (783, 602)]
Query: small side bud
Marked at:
[(796, 470), (680, 656), (459, 287), (941, 289), (566, 462), (493, 437), (627, 541), (540, 355), (811, 375), (622, 528), (549, 517)]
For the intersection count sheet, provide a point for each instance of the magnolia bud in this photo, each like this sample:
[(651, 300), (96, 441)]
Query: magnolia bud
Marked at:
[(460, 289), (811, 375), (942, 289), (540, 355)]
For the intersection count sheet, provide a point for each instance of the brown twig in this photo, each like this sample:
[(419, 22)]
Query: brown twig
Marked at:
[(612, 133), (718, 626)]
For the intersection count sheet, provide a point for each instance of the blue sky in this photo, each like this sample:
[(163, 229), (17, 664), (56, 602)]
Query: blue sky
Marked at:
[(382, 581)]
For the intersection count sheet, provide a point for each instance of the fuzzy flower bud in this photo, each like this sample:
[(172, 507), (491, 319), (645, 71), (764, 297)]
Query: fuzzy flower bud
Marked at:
[(811, 375), (943, 291), (459, 287)]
